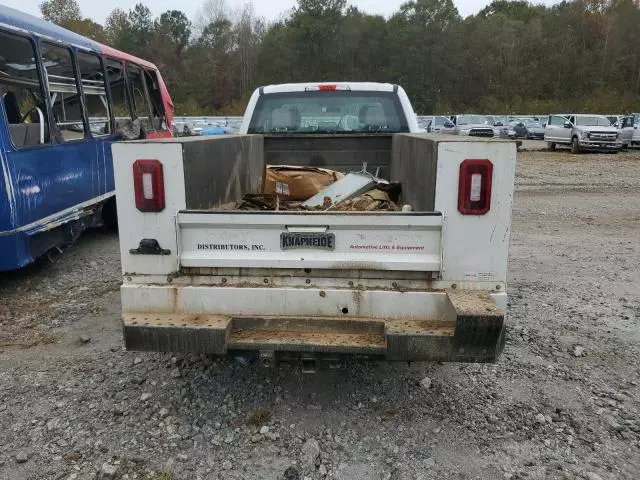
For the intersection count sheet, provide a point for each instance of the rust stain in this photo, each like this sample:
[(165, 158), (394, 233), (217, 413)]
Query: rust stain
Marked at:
[(320, 339), (173, 293)]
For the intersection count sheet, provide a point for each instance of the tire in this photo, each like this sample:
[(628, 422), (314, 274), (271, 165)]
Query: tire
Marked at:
[(551, 145), (575, 145), (110, 214)]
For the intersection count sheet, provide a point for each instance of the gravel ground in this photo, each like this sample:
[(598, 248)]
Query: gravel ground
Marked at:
[(562, 402)]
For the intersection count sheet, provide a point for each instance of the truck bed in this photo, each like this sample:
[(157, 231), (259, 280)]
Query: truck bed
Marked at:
[(422, 285)]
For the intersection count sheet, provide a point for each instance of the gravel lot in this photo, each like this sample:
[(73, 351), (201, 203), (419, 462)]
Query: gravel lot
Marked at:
[(562, 402)]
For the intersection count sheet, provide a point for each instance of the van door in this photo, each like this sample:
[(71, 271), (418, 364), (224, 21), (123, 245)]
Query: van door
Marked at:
[(71, 164), (99, 116)]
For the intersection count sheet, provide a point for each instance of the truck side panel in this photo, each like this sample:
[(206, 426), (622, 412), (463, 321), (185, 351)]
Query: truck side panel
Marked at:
[(476, 246), (135, 225)]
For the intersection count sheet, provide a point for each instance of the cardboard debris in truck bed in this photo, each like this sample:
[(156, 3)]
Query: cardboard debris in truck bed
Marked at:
[(373, 200), (297, 183)]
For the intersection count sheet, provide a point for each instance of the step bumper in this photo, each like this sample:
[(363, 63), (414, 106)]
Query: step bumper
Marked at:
[(461, 326)]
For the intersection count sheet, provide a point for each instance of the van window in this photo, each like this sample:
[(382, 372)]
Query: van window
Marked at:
[(95, 94), (118, 88), (157, 105), (141, 105), (21, 92), (63, 89)]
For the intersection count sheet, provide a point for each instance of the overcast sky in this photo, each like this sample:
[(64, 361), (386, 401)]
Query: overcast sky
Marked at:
[(270, 9)]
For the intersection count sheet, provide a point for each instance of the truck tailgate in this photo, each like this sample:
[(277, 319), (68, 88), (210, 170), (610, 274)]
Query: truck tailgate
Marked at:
[(366, 241)]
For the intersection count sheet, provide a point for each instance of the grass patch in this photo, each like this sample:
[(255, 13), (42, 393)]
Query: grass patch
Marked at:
[(258, 417), (41, 338), (166, 475), (162, 476)]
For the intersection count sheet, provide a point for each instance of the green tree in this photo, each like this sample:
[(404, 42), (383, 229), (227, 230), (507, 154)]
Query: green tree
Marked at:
[(61, 12)]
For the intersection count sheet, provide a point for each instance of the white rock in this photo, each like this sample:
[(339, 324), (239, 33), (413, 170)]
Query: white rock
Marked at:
[(53, 424), (145, 396), (175, 373), (181, 457), (310, 451), (227, 465), (264, 430), (163, 413), (578, 351), (137, 360), (540, 419), (425, 383), (108, 470), (322, 470)]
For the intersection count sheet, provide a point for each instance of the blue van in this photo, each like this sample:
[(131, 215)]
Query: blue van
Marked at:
[(63, 100)]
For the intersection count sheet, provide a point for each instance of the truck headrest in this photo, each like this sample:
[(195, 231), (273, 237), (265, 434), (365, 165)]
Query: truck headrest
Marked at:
[(282, 118)]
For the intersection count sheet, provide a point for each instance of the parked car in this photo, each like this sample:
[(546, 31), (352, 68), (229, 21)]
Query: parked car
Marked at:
[(500, 125), (439, 124), (472, 125), (529, 129), (543, 119), (582, 132)]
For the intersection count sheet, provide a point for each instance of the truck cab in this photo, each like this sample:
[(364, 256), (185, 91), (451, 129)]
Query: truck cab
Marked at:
[(329, 109)]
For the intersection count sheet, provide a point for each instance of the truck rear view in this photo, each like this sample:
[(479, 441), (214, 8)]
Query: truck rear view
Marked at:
[(422, 282)]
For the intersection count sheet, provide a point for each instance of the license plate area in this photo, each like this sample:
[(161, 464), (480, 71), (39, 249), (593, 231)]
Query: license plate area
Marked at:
[(296, 240)]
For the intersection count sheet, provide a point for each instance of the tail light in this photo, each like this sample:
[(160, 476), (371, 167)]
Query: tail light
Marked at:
[(474, 189), (148, 183)]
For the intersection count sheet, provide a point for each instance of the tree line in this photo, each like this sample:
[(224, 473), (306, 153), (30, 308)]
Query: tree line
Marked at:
[(512, 57)]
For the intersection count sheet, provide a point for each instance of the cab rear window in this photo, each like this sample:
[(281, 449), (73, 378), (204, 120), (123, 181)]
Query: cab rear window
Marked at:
[(328, 112)]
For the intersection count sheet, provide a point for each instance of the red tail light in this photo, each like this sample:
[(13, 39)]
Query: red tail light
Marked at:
[(474, 190), (327, 87), (148, 184)]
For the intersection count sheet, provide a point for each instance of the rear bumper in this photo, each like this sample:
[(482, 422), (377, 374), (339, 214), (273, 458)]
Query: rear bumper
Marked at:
[(461, 326)]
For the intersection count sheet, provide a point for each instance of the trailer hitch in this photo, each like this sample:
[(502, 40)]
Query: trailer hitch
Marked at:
[(149, 246)]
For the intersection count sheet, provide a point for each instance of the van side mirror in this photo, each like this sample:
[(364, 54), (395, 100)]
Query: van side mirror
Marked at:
[(567, 125)]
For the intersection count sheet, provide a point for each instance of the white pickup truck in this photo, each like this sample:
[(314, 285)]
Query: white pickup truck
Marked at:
[(582, 133), (424, 283)]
